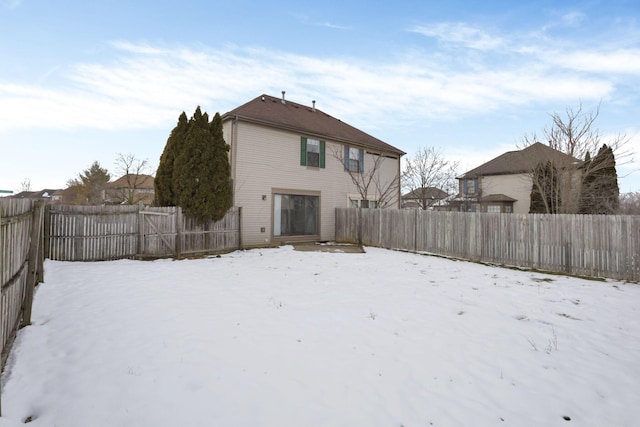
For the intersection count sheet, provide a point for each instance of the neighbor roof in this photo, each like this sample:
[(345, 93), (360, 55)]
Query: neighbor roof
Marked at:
[(426, 192), (141, 181), (520, 161), (497, 198), (42, 194), (271, 111)]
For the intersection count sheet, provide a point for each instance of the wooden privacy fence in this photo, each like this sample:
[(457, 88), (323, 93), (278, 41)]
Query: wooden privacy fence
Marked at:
[(586, 245), (100, 233), (21, 264)]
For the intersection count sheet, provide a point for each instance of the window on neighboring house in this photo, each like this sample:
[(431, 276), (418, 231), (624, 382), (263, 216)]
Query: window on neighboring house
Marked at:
[(470, 186), (493, 208), (312, 152), (353, 159), (508, 209), (358, 202), (296, 215)]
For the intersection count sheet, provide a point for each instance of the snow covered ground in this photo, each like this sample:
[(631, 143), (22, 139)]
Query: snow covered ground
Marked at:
[(278, 337)]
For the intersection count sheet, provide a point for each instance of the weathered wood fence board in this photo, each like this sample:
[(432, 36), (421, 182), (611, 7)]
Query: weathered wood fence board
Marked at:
[(21, 223), (100, 233), (92, 233), (588, 245)]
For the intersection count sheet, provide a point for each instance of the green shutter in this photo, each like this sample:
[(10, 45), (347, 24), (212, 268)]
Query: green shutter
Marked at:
[(303, 151), (346, 158), (322, 151)]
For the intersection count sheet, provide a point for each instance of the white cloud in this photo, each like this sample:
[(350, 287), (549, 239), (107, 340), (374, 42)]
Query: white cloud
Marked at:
[(334, 26), (620, 61), (13, 4), (146, 85), (573, 19), (462, 34)]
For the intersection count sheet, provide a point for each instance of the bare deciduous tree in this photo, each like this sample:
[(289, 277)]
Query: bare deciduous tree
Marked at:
[(368, 179), (25, 185), (630, 203), (575, 134), (429, 173), (134, 172)]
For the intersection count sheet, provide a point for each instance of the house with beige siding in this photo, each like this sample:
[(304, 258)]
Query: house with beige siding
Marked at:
[(292, 165), (503, 184)]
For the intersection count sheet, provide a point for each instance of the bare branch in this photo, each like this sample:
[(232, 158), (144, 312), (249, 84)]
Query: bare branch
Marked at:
[(575, 134), (133, 170), (426, 171), (369, 182)]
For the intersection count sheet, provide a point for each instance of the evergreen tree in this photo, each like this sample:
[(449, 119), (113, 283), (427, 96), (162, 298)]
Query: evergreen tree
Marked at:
[(611, 190), (201, 174), (164, 189), (222, 171), (545, 189), (600, 192), (88, 187)]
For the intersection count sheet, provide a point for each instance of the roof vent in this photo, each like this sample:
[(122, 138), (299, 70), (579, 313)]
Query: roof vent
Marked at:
[(283, 101), (313, 103)]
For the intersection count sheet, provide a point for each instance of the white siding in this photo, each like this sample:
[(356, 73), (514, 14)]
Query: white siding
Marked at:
[(265, 158)]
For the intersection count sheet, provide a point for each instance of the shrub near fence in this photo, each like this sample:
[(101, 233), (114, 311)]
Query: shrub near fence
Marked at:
[(100, 233), (586, 245)]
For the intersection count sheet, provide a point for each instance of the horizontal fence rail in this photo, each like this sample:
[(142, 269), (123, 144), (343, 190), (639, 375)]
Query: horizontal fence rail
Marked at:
[(585, 245), (100, 233)]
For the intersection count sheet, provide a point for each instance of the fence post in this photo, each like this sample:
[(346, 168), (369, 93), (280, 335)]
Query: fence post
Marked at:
[(415, 231), (140, 245), (240, 227), (178, 210), (47, 230), (32, 265), (359, 225)]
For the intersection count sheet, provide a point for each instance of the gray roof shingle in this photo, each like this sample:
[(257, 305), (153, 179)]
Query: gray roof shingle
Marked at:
[(520, 161), (271, 111)]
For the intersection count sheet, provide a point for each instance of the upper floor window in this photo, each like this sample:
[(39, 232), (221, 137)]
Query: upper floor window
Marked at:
[(312, 152), (470, 186), (353, 159)]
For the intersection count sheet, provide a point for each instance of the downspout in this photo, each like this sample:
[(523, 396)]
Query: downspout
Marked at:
[(234, 148), (399, 182)]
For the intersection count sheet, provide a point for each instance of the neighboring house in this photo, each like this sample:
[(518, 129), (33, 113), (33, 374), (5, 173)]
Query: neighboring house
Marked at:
[(47, 195), (292, 166), (130, 189), (503, 184), (67, 196), (423, 198)]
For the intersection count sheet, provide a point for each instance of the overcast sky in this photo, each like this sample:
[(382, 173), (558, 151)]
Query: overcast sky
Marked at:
[(83, 81)]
